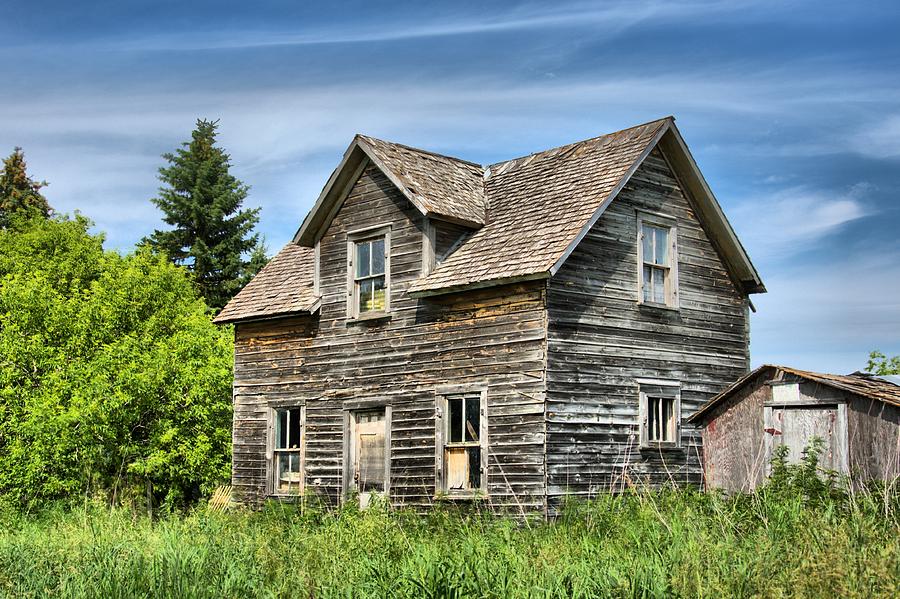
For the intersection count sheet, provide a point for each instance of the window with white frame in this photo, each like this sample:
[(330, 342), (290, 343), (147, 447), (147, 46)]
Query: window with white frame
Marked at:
[(657, 261), (462, 436), (369, 273), (287, 451), (660, 413)]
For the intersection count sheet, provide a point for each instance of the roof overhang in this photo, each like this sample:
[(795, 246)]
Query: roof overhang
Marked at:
[(357, 156)]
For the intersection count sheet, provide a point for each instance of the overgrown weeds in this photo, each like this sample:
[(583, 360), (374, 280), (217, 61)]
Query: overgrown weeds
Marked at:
[(799, 536)]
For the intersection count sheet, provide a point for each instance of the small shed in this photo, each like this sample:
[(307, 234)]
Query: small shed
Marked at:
[(857, 416)]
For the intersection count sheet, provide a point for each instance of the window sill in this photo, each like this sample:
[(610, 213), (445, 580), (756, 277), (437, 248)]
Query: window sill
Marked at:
[(655, 306), (476, 496), (371, 317), (666, 446), (285, 496)]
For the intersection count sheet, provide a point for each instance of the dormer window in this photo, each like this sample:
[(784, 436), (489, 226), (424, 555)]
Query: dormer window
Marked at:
[(657, 261), (369, 273)]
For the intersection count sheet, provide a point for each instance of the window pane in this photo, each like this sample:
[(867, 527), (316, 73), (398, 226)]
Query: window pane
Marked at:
[(294, 429), (289, 476), (648, 283), (378, 256), (365, 295), (455, 407), (473, 419), (362, 258), (281, 429), (652, 419), (378, 294), (474, 467), (647, 240), (661, 247), (659, 286)]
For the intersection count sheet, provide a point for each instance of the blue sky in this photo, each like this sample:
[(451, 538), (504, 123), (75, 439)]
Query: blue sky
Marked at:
[(792, 110)]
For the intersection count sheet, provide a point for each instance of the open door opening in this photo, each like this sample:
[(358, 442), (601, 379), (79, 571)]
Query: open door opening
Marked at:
[(369, 466)]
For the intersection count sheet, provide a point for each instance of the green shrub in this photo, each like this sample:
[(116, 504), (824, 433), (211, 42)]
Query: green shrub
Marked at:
[(113, 379)]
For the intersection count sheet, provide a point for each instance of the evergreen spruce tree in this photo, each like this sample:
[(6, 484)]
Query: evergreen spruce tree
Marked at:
[(211, 234), (19, 193)]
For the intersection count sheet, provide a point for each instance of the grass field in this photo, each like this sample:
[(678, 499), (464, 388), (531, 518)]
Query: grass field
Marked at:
[(775, 543), (799, 536)]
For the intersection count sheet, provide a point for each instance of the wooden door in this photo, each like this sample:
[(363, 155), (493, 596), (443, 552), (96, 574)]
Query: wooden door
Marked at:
[(796, 426), (368, 455)]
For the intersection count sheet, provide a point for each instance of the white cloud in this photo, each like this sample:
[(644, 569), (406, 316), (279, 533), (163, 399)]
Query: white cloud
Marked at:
[(790, 220)]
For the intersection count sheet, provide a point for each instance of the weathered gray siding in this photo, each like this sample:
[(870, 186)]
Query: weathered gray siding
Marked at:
[(601, 340), (495, 337), (874, 439)]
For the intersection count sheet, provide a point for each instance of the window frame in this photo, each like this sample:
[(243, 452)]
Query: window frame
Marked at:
[(665, 390), (272, 452), (659, 221), (354, 238), (442, 436)]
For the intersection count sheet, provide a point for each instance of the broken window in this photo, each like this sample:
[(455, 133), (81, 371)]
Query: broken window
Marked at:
[(369, 268), (464, 447), (657, 262), (286, 451), (660, 414)]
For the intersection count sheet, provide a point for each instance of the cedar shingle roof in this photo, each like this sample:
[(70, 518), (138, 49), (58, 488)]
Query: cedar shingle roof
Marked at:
[(440, 185), (538, 206), (858, 383), (528, 213), (283, 286)]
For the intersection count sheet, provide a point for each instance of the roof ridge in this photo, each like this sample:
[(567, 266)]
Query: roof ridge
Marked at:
[(575, 143), (420, 150)]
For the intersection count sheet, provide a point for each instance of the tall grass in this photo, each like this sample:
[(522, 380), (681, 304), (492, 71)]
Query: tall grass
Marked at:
[(792, 538)]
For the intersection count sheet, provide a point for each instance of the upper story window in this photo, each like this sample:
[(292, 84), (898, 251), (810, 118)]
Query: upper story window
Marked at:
[(369, 273), (657, 261)]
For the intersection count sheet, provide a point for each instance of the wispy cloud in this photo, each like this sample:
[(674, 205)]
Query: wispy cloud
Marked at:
[(829, 315), (790, 220), (880, 139), (607, 19)]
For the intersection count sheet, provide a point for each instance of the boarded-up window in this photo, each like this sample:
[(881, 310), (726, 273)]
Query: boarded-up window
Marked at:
[(657, 261), (287, 445), (660, 413), (462, 433)]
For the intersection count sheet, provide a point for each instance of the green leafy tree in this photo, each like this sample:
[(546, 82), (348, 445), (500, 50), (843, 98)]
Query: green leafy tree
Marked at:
[(210, 234), (880, 364), (113, 379), (19, 193)]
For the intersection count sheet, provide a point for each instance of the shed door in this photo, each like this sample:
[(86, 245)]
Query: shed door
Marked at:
[(795, 426), (368, 454)]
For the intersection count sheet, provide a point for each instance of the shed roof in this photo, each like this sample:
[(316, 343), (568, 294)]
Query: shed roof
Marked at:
[(859, 383), (528, 214)]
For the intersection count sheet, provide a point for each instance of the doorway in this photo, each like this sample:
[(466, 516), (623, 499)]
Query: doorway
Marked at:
[(369, 455)]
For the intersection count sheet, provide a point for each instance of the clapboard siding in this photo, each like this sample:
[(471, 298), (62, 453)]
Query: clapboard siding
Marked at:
[(494, 337), (601, 340)]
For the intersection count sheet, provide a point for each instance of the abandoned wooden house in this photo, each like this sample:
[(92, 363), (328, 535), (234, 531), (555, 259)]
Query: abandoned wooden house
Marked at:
[(857, 417), (517, 332)]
